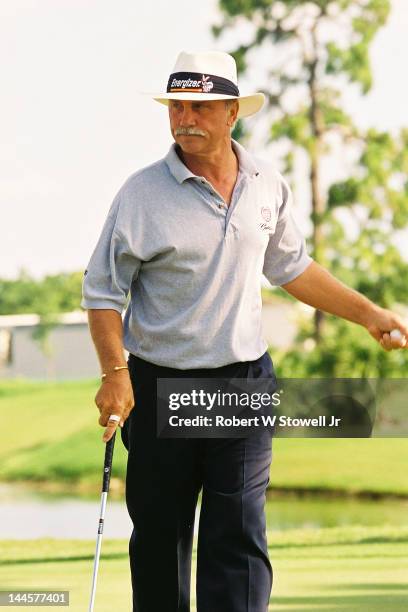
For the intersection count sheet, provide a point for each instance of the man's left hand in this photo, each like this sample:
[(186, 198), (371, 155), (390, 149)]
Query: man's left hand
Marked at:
[(380, 325)]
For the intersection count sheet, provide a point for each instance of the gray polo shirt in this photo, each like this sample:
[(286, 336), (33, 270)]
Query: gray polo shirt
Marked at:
[(192, 265)]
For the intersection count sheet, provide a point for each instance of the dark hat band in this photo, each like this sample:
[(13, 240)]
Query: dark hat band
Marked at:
[(196, 82)]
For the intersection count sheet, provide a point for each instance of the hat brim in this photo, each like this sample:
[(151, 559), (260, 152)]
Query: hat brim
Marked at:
[(248, 105)]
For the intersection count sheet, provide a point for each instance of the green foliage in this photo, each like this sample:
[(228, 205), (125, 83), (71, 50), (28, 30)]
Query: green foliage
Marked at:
[(343, 193), (354, 61), (346, 351), (376, 204), (295, 127), (46, 297), (239, 132), (283, 20), (333, 117), (243, 7), (50, 295)]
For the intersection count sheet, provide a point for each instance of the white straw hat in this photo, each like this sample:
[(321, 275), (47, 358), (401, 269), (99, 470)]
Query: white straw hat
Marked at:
[(211, 75)]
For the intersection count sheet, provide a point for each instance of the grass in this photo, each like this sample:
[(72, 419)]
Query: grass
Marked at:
[(357, 466), (39, 413), (53, 433), (53, 436), (345, 569)]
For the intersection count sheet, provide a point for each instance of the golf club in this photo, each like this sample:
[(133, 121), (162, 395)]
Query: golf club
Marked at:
[(105, 489)]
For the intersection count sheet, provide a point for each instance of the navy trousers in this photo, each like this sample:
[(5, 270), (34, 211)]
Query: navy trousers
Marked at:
[(164, 478)]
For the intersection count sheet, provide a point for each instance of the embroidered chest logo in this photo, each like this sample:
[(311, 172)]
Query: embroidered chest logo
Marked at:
[(266, 215)]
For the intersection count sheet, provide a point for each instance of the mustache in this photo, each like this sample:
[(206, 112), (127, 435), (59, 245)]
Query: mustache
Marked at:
[(182, 131)]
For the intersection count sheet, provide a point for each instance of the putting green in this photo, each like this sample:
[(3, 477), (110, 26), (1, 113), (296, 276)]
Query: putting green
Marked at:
[(345, 569)]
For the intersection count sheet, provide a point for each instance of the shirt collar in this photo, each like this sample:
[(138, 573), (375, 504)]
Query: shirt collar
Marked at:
[(246, 160), (181, 173)]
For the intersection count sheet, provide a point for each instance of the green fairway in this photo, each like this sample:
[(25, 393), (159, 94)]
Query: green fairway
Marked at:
[(354, 569), (38, 413), (376, 465), (53, 435)]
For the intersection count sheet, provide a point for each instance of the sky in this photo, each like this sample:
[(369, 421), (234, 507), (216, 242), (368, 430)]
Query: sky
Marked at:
[(74, 123)]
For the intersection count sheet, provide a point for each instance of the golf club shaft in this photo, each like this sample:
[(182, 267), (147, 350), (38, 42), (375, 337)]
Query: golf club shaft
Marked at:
[(107, 468)]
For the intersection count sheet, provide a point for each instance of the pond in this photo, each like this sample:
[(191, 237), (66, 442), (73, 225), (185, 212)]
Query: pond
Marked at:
[(26, 514)]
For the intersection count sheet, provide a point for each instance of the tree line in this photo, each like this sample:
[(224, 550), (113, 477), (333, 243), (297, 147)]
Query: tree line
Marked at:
[(49, 295)]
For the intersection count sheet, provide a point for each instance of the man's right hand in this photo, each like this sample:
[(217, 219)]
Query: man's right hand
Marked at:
[(115, 396)]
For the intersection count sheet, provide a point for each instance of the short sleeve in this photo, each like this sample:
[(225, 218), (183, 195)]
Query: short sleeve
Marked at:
[(111, 269), (285, 256)]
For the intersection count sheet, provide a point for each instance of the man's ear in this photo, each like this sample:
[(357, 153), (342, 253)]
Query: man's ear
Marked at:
[(233, 113)]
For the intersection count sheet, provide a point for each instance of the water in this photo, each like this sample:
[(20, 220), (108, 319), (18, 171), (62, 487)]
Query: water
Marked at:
[(25, 514)]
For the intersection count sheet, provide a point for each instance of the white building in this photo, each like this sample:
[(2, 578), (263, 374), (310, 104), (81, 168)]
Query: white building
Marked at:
[(69, 351)]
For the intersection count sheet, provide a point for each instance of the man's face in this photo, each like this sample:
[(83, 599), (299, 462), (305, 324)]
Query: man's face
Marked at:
[(200, 126)]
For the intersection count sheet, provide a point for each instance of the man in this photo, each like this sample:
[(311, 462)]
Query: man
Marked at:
[(189, 237)]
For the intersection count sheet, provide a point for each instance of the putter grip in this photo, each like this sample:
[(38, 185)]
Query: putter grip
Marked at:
[(108, 463)]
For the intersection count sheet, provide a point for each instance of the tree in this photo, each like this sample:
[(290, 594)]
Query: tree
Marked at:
[(50, 295), (316, 47), (46, 297)]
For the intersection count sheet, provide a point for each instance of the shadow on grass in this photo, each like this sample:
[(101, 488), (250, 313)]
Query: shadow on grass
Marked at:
[(38, 560), (386, 586), (363, 540), (38, 446), (362, 603)]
